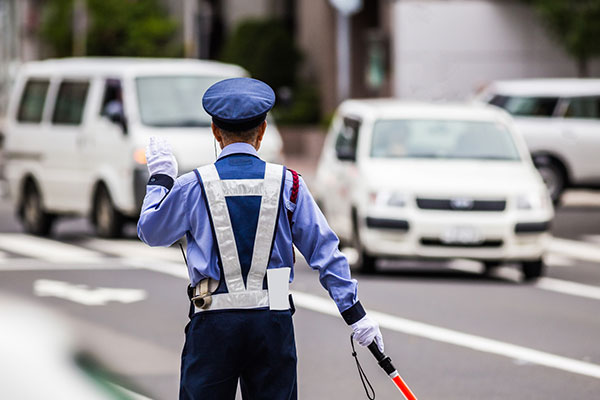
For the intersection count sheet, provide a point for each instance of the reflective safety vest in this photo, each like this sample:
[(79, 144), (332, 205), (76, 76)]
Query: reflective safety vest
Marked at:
[(245, 288)]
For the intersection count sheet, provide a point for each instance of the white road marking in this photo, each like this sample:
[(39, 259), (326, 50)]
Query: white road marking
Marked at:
[(33, 264), (574, 249), (568, 287), (46, 249), (134, 249), (444, 335), (84, 295), (177, 270)]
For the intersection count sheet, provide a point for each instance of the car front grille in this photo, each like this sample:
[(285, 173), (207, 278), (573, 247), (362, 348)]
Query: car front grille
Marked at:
[(461, 204), (439, 243)]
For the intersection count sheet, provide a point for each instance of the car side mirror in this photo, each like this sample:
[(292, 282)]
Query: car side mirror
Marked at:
[(117, 116), (346, 154)]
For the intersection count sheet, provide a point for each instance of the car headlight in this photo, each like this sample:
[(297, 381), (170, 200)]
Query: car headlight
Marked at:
[(388, 199), (532, 201)]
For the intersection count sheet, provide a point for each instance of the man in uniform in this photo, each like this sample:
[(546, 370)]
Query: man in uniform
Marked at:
[(240, 216)]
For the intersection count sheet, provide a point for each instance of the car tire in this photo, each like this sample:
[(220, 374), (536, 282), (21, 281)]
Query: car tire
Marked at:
[(365, 263), (554, 177), (35, 220), (532, 269), (107, 220), (489, 266)]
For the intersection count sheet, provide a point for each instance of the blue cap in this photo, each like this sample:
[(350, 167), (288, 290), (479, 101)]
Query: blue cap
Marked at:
[(238, 104)]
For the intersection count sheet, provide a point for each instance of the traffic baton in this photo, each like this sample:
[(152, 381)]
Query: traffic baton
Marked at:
[(386, 364)]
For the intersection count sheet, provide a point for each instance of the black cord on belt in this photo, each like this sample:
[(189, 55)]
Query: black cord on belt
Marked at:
[(361, 372), (183, 253)]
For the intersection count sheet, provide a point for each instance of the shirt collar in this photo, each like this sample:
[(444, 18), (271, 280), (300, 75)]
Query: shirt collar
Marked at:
[(237, 148)]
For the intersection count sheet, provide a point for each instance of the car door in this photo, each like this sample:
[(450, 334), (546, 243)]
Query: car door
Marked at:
[(344, 175), (581, 126), (64, 173)]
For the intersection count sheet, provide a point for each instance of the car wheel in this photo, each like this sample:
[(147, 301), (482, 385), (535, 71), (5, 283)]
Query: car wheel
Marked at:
[(365, 262), (107, 219), (35, 220), (554, 178), (532, 269), (489, 266)]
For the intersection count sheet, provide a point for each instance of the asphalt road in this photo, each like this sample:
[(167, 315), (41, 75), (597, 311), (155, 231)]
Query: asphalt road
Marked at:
[(452, 332)]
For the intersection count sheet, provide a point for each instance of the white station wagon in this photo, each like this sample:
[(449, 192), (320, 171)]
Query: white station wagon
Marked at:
[(433, 181), (560, 121), (76, 130)]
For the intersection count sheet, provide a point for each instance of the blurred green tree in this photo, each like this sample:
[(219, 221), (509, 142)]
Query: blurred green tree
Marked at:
[(137, 28), (266, 49), (576, 24)]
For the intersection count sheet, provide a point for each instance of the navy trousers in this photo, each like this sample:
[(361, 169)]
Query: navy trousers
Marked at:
[(256, 347)]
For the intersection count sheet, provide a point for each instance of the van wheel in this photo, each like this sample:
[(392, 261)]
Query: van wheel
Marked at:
[(554, 178), (35, 220), (107, 219), (532, 269)]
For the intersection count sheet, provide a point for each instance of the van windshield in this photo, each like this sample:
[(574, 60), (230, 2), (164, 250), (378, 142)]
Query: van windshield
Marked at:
[(443, 139), (174, 101)]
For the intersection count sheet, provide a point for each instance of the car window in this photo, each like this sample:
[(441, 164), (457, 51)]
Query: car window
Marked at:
[(447, 139), (174, 101), (112, 101), (347, 138), (32, 101), (584, 107), (526, 106), (70, 103)]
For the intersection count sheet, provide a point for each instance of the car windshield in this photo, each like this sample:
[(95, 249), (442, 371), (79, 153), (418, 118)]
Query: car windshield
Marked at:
[(174, 101), (442, 139)]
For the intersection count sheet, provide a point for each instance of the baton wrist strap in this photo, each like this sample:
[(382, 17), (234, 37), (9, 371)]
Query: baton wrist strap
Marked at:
[(370, 392)]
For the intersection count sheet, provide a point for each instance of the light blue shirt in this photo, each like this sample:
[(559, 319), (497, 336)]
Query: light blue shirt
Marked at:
[(167, 215)]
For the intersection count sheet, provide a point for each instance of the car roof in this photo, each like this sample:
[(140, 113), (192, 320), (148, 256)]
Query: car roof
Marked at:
[(132, 66), (565, 87), (401, 109)]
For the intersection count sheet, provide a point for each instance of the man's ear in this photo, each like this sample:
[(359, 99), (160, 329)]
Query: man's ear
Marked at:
[(261, 133), (217, 134)]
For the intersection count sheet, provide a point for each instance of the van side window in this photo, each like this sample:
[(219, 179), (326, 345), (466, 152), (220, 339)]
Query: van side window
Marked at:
[(32, 101), (347, 139), (584, 107), (70, 102), (526, 106), (112, 101)]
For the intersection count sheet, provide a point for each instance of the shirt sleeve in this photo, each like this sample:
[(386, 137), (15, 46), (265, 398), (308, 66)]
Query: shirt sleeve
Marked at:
[(163, 219), (320, 247)]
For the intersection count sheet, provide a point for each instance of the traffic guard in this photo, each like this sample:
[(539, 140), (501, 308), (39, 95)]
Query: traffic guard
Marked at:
[(240, 216)]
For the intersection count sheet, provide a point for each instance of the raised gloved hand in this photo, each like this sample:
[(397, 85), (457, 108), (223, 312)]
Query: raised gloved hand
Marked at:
[(159, 157), (366, 330)]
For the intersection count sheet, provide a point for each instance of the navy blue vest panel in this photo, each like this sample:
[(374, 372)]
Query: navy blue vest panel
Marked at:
[(243, 210)]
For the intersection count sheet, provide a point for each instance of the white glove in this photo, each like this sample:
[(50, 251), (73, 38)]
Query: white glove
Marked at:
[(366, 330), (159, 157)]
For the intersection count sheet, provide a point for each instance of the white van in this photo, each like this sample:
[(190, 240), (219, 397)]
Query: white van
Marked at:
[(76, 131)]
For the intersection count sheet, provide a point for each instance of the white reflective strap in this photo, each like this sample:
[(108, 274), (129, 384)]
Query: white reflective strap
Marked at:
[(222, 228), (244, 300), (243, 187), (265, 230)]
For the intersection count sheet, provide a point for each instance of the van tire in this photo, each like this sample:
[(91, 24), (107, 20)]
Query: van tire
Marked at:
[(107, 220), (532, 270), (35, 219), (554, 176), (365, 263)]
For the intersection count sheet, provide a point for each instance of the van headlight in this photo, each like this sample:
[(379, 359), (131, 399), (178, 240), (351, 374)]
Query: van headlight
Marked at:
[(532, 201), (387, 199)]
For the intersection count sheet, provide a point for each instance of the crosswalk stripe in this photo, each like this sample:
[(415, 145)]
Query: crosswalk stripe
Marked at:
[(574, 249), (134, 249), (46, 249)]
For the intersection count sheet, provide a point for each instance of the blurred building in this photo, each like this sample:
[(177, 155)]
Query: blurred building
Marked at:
[(428, 49)]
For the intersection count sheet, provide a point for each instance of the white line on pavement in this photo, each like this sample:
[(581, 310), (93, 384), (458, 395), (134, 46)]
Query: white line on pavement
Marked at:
[(85, 295), (568, 287), (134, 249), (46, 249), (444, 335), (574, 249)]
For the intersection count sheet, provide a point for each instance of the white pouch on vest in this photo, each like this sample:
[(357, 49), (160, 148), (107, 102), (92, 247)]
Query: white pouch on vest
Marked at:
[(278, 280)]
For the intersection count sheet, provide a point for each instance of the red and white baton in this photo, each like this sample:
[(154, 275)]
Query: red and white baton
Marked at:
[(386, 363)]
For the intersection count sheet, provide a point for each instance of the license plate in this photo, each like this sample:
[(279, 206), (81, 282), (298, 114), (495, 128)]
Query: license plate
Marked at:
[(462, 235)]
